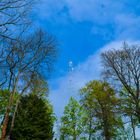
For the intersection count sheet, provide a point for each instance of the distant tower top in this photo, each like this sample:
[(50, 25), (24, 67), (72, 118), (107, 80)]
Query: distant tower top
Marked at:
[(71, 66), (70, 82)]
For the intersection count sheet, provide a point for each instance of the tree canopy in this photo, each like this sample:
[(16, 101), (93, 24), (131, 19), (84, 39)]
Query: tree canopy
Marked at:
[(71, 120), (100, 99), (34, 119)]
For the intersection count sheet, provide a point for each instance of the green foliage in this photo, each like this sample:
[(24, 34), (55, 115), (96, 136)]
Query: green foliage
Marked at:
[(128, 109), (127, 106), (72, 120), (4, 99), (34, 119), (101, 103), (125, 133)]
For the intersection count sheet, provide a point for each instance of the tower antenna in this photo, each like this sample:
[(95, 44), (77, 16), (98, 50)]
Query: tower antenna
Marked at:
[(70, 70)]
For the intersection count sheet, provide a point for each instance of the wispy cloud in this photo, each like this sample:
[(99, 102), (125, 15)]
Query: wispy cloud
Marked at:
[(122, 16), (127, 26), (99, 11), (70, 84), (109, 20), (118, 20)]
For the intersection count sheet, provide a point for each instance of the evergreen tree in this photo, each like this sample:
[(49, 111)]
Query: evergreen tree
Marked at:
[(34, 119)]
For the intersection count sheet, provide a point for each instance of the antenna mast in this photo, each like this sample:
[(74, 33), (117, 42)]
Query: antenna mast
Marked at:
[(71, 68)]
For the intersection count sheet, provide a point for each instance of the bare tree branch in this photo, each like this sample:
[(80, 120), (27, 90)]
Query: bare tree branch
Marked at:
[(124, 66)]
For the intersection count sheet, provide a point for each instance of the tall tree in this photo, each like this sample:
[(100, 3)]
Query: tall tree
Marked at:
[(102, 101), (34, 119), (88, 122), (24, 62), (71, 126), (123, 65)]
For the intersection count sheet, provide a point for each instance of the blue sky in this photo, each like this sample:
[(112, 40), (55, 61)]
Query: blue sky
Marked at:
[(87, 25), (84, 28)]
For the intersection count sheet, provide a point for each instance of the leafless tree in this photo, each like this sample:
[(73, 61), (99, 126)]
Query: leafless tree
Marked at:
[(123, 65), (26, 62), (13, 13)]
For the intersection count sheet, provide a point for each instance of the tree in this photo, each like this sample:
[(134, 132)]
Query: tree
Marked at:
[(123, 66), (125, 133), (37, 86), (88, 122), (4, 97), (127, 110), (103, 103), (25, 62), (13, 14), (71, 121), (34, 119)]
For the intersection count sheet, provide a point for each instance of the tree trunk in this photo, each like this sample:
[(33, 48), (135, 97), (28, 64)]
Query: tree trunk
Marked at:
[(106, 130), (6, 119), (90, 127), (74, 138), (133, 128), (16, 108), (89, 138), (14, 115), (138, 114), (107, 137), (5, 123), (74, 135)]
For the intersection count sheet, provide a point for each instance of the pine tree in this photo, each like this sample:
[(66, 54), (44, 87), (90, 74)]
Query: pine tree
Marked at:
[(34, 119)]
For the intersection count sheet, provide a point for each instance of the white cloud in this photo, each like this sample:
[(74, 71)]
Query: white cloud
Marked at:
[(70, 84), (119, 14), (99, 11), (103, 15), (127, 26)]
